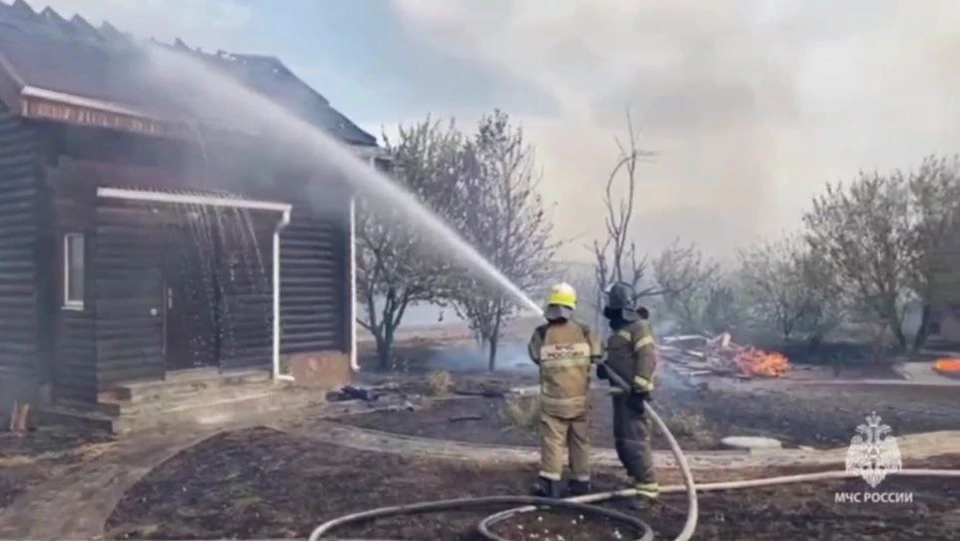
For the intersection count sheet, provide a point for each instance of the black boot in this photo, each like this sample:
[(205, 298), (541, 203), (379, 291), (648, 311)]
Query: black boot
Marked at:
[(578, 488), (546, 488)]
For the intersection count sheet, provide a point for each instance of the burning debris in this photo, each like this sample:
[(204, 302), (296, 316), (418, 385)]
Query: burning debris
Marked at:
[(721, 356), (947, 367)]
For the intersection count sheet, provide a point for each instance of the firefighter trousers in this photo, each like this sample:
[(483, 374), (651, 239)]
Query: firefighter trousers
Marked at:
[(562, 440), (631, 434)]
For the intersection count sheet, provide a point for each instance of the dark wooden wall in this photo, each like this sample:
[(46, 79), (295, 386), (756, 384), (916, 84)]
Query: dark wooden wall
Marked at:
[(125, 269), (73, 342), (21, 328), (316, 307), (115, 338), (128, 242), (246, 278)]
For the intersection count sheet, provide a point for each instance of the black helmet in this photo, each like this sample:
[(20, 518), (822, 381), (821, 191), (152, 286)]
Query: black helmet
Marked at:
[(621, 302)]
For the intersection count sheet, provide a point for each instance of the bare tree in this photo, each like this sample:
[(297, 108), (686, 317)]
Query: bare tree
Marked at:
[(789, 288), (617, 258), (395, 267), (935, 199), (864, 234), (687, 281), (582, 277), (722, 307), (506, 222)]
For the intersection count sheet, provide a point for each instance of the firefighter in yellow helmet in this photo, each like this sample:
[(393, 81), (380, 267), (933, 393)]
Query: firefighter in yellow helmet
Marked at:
[(632, 355), (565, 350)]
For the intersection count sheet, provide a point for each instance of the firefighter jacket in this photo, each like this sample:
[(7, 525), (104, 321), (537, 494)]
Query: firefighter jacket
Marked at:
[(632, 354), (565, 352)]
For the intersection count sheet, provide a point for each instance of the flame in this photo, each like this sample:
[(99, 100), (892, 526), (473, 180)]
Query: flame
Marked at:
[(756, 362), (947, 366)]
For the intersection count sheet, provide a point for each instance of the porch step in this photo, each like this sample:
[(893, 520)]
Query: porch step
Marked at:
[(197, 398), (164, 401), (64, 415), (218, 411), (183, 384)]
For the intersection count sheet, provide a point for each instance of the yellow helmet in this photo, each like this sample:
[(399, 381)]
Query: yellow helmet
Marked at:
[(564, 295)]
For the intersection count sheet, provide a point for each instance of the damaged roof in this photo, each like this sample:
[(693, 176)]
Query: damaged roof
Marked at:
[(46, 52)]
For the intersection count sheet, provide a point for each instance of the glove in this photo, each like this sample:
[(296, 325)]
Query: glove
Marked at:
[(602, 371), (637, 400)]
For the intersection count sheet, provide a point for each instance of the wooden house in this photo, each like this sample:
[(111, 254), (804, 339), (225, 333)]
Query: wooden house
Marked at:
[(135, 241)]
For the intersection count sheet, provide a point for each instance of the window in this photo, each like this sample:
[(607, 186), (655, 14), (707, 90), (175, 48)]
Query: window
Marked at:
[(73, 271)]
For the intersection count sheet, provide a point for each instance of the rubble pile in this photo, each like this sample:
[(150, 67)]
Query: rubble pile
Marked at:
[(701, 355)]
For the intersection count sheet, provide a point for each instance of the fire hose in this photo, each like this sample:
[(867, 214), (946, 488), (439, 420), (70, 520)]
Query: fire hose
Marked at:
[(586, 505), (583, 504)]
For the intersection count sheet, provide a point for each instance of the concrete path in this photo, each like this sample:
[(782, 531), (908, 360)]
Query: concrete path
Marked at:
[(76, 502), (915, 447)]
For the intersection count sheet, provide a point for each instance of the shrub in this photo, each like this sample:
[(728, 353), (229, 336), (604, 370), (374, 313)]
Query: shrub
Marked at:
[(440, 383), (523, 412), (689, 425)]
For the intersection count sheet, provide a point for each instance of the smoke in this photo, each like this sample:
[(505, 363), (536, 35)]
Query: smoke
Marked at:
[(213, 22), (510, 356), (219, 99), (751, 105)]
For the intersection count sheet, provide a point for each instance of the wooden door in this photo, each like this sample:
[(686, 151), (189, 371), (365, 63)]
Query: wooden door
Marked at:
[(192, 299)]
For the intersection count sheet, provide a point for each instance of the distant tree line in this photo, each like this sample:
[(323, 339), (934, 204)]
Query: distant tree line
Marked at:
[(868, 252)]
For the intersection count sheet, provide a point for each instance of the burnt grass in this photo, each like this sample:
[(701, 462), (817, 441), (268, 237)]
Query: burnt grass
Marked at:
[(259, 483), (35, 456), (797, 415)]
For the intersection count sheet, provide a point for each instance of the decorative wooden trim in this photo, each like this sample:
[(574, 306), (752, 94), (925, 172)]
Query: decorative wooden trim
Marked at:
[(47, 109), (68, 108)]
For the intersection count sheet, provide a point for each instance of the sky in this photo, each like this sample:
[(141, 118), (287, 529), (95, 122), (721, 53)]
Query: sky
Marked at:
[(750, 106)]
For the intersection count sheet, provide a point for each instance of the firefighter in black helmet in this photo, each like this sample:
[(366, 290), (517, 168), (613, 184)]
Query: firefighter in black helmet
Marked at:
[(632, 354)]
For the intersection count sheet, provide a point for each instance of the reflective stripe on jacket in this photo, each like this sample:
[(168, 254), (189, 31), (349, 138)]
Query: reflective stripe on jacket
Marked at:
[(632, 353)]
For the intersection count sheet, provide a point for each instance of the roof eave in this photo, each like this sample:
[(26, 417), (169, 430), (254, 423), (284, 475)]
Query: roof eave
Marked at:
[(42, 104)]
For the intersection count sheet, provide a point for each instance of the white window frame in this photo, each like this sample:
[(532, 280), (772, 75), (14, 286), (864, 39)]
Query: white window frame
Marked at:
[(68, 303)]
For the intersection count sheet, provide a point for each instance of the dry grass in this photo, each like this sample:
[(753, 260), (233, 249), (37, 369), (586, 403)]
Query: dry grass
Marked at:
[(523, 412), (440, 383), (84, 453), (694, 426)]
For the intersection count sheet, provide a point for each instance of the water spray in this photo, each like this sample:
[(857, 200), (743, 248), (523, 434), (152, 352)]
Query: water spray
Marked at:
[(233, 100)]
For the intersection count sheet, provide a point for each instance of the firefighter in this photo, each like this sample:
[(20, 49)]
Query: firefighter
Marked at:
[(632, 354), (565, 351)]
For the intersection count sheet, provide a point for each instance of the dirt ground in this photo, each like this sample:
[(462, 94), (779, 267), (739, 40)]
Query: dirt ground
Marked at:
[(38, 455), (259, 483), (797, 415)]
